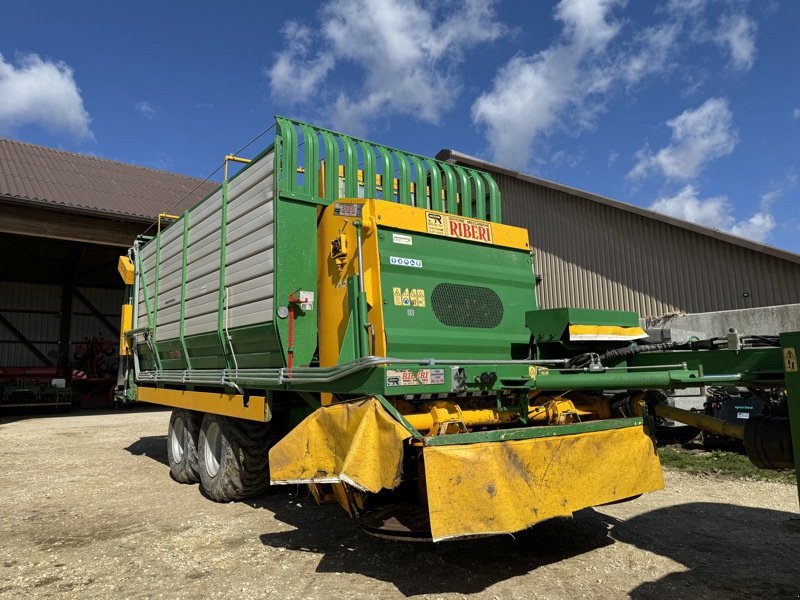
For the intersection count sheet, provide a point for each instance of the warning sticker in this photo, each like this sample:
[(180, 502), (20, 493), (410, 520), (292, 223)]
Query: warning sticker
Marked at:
[(347, 209), (397, 378), (409, 297), (790, 360), (458, 227)]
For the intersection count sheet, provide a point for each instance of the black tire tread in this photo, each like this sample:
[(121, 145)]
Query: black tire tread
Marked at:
[(244, 463), (186, 471)]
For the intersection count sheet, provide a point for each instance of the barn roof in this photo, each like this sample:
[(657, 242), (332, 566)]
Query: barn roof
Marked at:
[(49, 177)]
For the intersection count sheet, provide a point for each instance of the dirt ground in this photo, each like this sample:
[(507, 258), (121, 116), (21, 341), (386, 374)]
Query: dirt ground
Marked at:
[(87, 509)]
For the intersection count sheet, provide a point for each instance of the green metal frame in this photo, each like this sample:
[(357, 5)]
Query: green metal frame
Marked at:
[(790, 346), (337, 148)]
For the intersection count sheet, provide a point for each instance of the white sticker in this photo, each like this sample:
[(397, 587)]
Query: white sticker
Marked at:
[(306, 300), (399, 238), (405, 262), (742, 415)]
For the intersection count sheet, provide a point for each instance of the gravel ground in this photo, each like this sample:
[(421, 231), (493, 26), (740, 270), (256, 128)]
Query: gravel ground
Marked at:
[(88, 510)]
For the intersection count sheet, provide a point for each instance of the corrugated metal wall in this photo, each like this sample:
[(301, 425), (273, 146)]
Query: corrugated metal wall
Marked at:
[(35, 311), (597, 256)]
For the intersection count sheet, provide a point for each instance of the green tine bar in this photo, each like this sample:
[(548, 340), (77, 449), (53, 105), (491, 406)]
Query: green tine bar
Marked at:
[(456, 181), (223, 246), (157, 279), (451, 202), (495, 214), (289, 154), (387, 175), (403, 180), (331, 166), (436, 185), (420, 185), (370, 190), (184, 254), (466, 192), (480, 195), (350, 168), (311, 150)]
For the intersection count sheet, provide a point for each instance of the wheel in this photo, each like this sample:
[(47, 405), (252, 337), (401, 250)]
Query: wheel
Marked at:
[(184, 428), (234, 457)]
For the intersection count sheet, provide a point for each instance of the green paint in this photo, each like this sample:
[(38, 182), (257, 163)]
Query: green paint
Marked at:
[(790, 345), (221, 304), (552, 324), (527, 433), (391, 164), (184, 253), (414, 332)]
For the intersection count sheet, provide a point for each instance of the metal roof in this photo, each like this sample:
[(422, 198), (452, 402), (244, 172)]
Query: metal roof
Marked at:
[(48, 177), (466, 159)]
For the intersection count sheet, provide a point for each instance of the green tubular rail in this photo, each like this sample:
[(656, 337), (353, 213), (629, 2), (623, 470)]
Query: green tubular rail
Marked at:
[(437, 185)]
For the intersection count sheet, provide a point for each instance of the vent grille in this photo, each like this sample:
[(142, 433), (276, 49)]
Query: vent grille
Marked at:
[(466, 306)]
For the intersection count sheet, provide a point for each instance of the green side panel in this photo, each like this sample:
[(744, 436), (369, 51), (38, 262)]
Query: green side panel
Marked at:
[(475, 298), (296, 270), (257, 346), (551, 323), (204, 351)]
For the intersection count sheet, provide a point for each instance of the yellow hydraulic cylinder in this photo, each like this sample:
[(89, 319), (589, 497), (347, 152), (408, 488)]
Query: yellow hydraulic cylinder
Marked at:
[(444, 417), (701, 421)]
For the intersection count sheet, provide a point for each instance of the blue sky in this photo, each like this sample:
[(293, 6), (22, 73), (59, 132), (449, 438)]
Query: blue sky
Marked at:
[(691, 108)]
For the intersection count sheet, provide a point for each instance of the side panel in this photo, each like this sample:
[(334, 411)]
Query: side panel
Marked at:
[(247, 229)]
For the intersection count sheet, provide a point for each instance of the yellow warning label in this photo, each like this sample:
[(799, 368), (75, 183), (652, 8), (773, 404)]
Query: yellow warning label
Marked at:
[(409, 297), (532, 372), (790, 360)]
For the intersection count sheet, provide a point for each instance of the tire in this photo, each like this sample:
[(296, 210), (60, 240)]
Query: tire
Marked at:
[(234, 457), (182, 434)]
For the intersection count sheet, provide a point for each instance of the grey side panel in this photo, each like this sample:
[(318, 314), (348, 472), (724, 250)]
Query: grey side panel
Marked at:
[(249, 264)]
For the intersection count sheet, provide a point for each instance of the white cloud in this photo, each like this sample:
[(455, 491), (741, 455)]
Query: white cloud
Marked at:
[(758, 227), (146, 109), (737, 33), (44, 93), (698, 136), (294, 75), (796, 113), (402, 54), (530, 94), (717, 212), (596, 56)]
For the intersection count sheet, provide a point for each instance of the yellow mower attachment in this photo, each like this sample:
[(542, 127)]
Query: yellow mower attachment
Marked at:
[(456, 490)]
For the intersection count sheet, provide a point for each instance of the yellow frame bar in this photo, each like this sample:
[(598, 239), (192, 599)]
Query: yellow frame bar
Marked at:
[(227, 405)]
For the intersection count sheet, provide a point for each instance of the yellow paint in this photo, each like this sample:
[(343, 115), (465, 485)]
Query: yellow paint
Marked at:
[(605, 332), (333, 271), (336, 263), (357, 443), (410, 218), (448, 417), (503, 487), (125, 268), (228, 405), (125, 324)]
